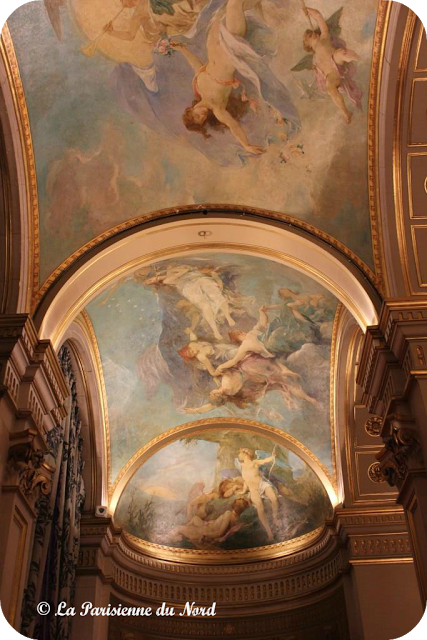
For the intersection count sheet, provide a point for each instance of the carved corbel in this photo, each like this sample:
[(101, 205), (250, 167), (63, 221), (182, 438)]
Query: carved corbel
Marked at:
[(401, 452), (26, 465)]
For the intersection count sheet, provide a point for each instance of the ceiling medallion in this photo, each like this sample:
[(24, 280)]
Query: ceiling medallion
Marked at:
[(373, 426), (375, 473)]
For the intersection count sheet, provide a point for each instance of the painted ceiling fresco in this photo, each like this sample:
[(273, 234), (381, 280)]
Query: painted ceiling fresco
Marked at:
[(223, 490), (138, 105), (215, 335)]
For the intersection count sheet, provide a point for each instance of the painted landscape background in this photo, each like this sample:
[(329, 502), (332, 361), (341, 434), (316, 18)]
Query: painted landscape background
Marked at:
[(98, 122), (174, 497)]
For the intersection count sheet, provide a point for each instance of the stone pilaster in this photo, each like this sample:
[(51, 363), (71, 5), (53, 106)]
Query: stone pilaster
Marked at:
[(393, 375), (33, 393)]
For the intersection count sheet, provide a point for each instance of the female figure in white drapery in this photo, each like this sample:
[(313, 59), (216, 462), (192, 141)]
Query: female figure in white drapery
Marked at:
[(203, 288)]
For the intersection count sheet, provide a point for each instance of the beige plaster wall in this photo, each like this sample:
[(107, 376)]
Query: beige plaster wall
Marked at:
[(389, 600)]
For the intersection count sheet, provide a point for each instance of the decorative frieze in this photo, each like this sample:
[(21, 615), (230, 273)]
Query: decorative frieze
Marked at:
[(381, 546), (293, 586)]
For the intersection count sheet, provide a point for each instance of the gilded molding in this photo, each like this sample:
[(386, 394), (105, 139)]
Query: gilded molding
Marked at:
[(383, 17), (272, 580), (6, 206), (211, 208), (83, 320), (282, 562), (397, 149), (340, 311), (422, 32), (169, 252), (386, 545), (8, 55), (221, 423), (349, 427), (222, 557)]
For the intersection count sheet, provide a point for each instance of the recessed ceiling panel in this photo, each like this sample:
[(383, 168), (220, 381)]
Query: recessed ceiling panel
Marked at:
[(148, 105), (215, 335)]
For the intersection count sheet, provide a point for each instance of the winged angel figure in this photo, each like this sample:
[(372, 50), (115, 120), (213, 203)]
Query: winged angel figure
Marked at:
[(332, 63), (228, 115)]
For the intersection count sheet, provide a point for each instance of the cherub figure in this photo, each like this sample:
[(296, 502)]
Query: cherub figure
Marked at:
[(331, 61), (258, 486)]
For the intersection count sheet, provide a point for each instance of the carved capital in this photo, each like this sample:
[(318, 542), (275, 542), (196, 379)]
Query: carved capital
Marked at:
[(26, 466)]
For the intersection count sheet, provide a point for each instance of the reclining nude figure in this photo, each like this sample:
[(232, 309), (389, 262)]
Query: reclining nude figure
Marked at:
[(199, 531), (214, 81)]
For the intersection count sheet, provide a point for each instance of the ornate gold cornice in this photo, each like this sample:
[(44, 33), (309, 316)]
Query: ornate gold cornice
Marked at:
[(30, 375), (173, 212), (8, 55), (197, 556), (309, 566), (393, 352)]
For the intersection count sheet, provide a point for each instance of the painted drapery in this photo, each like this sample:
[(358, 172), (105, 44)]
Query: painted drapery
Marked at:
[(57, 532)]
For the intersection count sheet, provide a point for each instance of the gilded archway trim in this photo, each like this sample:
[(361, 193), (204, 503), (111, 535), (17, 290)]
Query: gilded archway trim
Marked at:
[(198, 426), (7, 53)]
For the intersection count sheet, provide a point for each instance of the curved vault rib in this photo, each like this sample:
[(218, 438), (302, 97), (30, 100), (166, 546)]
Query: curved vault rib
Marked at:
[(199, 426), (186, 237)]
